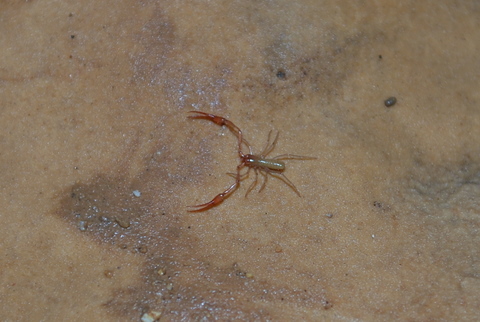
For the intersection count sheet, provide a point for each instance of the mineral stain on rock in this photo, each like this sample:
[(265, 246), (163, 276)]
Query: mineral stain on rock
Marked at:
[(177, 278), (105, 208)]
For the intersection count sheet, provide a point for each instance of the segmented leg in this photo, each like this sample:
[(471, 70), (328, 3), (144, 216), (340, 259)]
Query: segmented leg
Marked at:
[(222, 121), (289, 183), (265, 179), (242, 176), (269, 147), (215, 201), (253, 184), (221, 196)]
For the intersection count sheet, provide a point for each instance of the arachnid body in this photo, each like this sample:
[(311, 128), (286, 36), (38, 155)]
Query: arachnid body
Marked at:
[(259, 163)]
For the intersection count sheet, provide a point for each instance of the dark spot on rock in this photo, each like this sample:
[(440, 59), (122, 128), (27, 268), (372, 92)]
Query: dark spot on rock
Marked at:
[(327, 304), (281, 74), (390, 101)]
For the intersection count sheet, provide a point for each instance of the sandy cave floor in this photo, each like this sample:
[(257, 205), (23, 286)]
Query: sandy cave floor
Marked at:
[(98, 160)]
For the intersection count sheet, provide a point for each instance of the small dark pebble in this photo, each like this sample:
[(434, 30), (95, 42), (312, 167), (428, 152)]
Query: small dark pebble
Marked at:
[(377, 204), (327, 305), (281, 74), (390, 101), (142, 249)]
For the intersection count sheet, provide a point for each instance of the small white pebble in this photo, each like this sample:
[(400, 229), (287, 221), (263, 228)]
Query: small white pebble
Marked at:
[(136, 193), (151, 316), (82, 225)]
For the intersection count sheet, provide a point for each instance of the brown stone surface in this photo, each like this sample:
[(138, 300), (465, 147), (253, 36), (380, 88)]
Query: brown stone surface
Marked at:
[(93, 102)]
